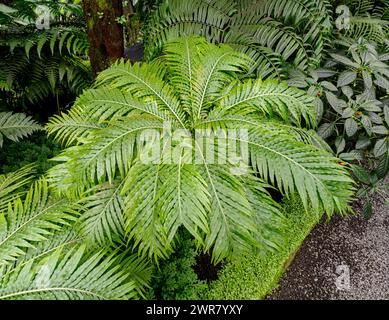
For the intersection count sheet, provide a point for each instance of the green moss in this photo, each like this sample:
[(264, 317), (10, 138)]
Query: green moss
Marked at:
[(253, 276)]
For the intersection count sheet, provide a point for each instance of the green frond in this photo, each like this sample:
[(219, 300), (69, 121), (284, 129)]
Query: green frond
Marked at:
[(176, 18), (74, 275), (69, 128), (376, 30), (231, 222), (102, 156), (31, 220), (268, 97), (142, 219), (15, 126), (12, 182), (144, 81), (106, 103), (102, 222), (267, 62), (292, 165), (360, 7), (73, 39)]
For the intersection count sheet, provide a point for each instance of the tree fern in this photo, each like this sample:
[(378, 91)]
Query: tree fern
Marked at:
[(193, 86)]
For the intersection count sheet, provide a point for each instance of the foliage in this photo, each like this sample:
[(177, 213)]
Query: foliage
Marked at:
[(194, 85), (352, 104), (368, 19), (352, 100), (37, 149), (255, 276), (53, 57), (42, 258), (371, 182), (15, 126), (278, 34), (175, 279)]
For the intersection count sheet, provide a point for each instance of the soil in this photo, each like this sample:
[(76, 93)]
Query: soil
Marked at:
[(346, 258), (205, 269)]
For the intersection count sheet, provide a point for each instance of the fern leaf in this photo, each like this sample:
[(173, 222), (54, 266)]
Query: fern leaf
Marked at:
[(15, 126)]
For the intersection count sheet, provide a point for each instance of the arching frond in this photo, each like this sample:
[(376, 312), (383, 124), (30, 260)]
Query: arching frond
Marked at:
[(143, 81), (270, 97), (103, 221), (314, 174), (376, 30), (70, 127)]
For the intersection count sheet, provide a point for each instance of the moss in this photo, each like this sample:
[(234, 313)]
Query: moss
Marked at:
[(253, 276)]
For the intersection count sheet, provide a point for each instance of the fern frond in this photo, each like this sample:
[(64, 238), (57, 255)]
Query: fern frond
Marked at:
[(10, 183), (366, 27), (102, 222), (270, 96), (73, 275), (143, 81), (73, 126), (314, 174), (31, 220), (15, 126)]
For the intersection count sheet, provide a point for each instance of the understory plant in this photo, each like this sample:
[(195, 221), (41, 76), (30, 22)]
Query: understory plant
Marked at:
[(279, 35), (225, 205), (42, 53), (351, 95)]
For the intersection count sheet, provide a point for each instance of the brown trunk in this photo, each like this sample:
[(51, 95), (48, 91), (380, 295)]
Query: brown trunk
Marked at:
[(104, 33)]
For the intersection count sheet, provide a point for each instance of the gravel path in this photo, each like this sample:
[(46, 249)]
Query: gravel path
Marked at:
[(343, 259)]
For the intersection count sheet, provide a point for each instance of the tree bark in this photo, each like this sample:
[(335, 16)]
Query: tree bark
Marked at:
[(104, 33)]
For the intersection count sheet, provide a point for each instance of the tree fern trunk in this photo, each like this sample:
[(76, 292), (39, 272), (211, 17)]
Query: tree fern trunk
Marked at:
[(105, 34)]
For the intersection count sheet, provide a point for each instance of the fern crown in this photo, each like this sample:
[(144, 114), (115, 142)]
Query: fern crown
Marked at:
[(194, 85)]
